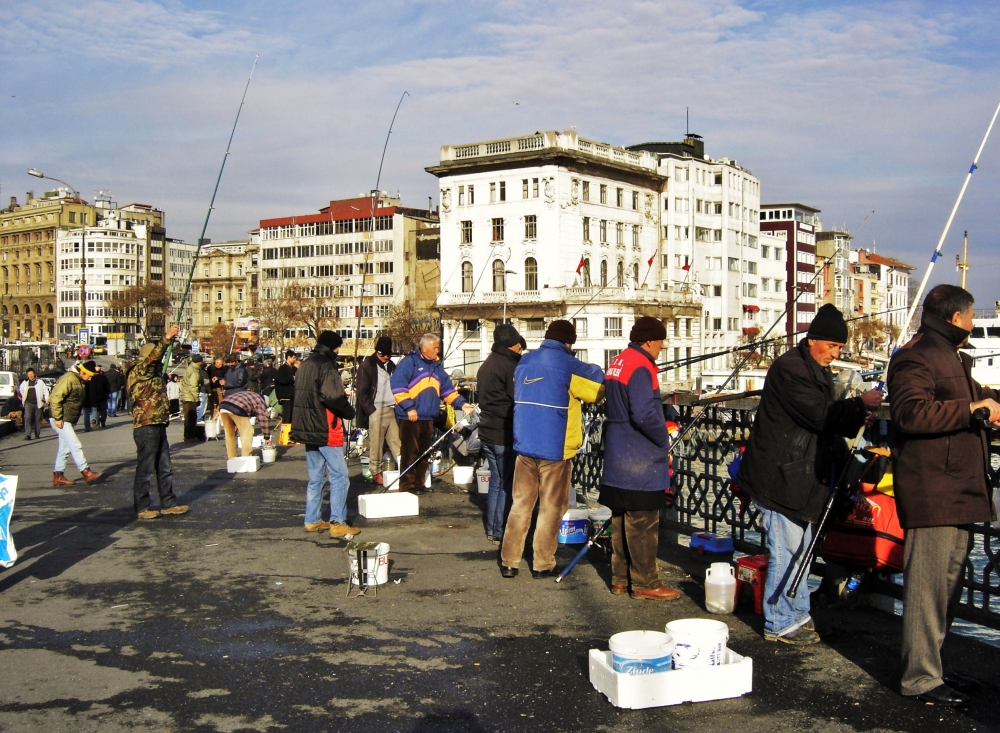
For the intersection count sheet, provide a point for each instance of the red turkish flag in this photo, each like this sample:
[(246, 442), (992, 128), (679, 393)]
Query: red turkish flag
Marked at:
[(651, 259), (579, 268)]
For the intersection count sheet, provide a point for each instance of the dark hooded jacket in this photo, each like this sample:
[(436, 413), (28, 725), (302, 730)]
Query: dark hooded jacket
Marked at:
[(495, 384), (794, 444), (368, 386), (320, 403)]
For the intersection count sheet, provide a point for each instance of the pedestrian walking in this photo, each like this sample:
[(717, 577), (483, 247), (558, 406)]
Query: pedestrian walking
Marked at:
[(267, 375), (190, 397), (419, 383), (495, 382), (636, 473), (173, 387), (150, 417), (549, 386), (321, 406), (376, 406), (235, 412), (204, 390), (34, 395), (65, 404), (941, 477), (116, 383), (237, 377)]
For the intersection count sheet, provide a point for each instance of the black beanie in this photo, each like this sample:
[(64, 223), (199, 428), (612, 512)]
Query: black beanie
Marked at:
[(646, 329), (89, 367), (828, 325), (329, 339), (384, 345), (562, 331), (506, 335), (197, 359)]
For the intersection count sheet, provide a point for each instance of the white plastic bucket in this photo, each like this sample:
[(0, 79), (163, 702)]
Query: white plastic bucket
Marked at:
[(720, 588), (698, 642), (269, 454), (463, 474), (641, 652), (601, 515), (389, 477), (211, 429), (573, 527), (483, 480), (378, 563)]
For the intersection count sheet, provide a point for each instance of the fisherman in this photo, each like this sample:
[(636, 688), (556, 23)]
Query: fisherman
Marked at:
[(549, 385), (65, 404), (786, 469), (190, 395)]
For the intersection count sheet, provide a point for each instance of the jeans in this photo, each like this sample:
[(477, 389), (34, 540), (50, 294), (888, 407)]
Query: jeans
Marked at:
[(113, 404), (32, 419), (152, 464), (501, 460), (89, 414), (322, 460), (69, 444), (202, 405), (787, 540)]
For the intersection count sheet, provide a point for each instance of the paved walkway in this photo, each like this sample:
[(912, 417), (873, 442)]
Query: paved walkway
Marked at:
[(233, 618)]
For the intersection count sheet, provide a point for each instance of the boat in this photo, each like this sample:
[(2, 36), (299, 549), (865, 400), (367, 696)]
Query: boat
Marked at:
[(984, 348)]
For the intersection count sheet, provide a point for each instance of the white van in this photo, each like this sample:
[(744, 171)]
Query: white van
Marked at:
[(8, 384)]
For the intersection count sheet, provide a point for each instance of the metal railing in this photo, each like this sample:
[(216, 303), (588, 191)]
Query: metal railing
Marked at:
[(704, 501)]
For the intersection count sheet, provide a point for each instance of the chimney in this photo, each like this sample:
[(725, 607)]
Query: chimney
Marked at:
[(28, 196), (13, 202)]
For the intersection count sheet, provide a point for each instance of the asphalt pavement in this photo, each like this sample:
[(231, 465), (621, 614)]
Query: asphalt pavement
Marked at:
[(233, 618)]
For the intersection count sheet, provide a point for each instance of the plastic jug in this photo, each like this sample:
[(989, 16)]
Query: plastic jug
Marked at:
[(720, 588)]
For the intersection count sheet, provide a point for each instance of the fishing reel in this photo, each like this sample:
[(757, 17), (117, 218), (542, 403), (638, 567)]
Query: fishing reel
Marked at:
[(982, 416)]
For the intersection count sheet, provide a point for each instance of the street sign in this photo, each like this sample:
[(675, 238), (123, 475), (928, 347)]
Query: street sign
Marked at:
[(83, 351), (194, 346), (83, 336)]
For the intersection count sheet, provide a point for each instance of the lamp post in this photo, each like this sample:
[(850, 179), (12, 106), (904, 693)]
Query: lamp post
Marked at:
[(505, 274), (83, 247)]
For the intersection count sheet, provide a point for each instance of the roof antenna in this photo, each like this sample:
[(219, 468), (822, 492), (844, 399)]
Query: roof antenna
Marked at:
[(687, 121)]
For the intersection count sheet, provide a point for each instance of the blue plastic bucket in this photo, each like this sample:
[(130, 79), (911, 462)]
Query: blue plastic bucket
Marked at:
[(573, 529), (641, 652)]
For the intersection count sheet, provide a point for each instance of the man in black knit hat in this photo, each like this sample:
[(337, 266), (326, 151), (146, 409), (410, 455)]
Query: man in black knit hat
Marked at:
[(793, 450)]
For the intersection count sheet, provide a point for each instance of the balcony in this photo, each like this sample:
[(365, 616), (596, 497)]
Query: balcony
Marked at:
[(568, 140)]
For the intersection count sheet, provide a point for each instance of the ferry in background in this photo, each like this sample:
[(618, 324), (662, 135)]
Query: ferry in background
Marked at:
[(984, 348)]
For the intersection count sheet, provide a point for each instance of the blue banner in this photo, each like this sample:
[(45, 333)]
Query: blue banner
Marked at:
[(8, 488)]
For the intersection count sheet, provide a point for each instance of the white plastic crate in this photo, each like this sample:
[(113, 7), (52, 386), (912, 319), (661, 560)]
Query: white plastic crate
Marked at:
[(692, 684), (390, 504), (249, 464)]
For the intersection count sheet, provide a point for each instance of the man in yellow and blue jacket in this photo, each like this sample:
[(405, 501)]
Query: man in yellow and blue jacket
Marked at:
[(419, 383), (549, 385)]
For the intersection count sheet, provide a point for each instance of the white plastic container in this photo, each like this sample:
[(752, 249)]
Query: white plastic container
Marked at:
[(378, 564), (720, 588), (641, 652), (573, 527), (241, 464), (392, 504), (389, 478), (601, 515), (698, 642), (463, 474), (483, 480), (268, 454), (211, 429)]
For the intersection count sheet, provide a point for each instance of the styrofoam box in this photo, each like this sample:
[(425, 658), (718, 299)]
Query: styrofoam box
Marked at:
[(249, 464), (692, 684), (390, 504), (257, 442)]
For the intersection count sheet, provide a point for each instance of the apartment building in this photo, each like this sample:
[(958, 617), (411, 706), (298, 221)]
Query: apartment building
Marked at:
[(224, 286), (797, 225), (884, 287)]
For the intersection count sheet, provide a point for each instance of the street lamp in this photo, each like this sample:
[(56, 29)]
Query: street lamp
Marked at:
[(83, 247), (505, 274)]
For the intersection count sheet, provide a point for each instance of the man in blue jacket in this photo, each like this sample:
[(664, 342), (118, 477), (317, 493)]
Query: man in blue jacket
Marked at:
[(419, 383), (549, 385), (636, 464)]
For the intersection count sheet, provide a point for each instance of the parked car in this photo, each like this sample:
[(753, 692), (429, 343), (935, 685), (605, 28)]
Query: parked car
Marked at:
[(8, 384)]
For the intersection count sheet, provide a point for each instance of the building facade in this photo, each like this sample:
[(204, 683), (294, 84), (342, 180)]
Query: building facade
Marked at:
[(797, 225), (221, 290)]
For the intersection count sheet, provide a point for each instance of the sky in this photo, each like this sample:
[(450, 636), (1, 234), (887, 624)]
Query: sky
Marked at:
[(847, 107)]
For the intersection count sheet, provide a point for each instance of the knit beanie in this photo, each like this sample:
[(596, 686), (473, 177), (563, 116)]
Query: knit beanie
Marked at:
[(234, 357), (329, 339), (88, 367), (197, 359), (646, 329), (505, 335), (562, 331), (828, 325), (384, 345), (146, 349)]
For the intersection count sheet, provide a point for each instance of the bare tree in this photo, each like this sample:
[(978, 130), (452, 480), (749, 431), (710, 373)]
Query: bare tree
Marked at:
[(151, 300), (405, 325), (278, 313), (222, 338)]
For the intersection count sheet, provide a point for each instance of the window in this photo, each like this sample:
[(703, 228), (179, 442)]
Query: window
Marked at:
[(524, 188), (765, 283), (535, 326), (750, 267), (586, 229), (620, 282), (635, 274), (734, 324), (467, 283), (609, 356), (586, 272), (493, 193), (218, 295), (503, 191), (530, 227), (499, 277), (619, 233), (604, 194), (604, 273), (471, 327), (717, 324), (466, 232), (472, 194), (718, 179), (681, 206), (531, 274), (498, 230), (580, 354), (635, 235), (750, 290), (635, 201), (461, 195), (586, 190), (580, 324), (612, 327), (734, 264), (534, 188), (239, 293), (604, 231), (717, 291), (765, 251), (470, 362), (619, 197)]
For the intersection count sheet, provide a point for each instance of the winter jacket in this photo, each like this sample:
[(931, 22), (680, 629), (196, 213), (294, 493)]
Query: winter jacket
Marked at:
[(635, 432), (116, 380), (41, 391), (940, 454), (368, 386), (237, 378), (66, 397), (794, 444), (320, 403), (495, 385), (284, 382), (144, 381), (420, 384), (549, 384), (266, 377), (192, 383), (215, 374), (100, 388)]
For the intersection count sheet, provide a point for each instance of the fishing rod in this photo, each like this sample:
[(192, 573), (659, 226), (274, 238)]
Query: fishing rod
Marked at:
[(460, 423), (947, 226), (472, 295), (211, 206)]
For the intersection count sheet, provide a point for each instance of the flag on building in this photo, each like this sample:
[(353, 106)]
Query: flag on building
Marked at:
[(651, 259), (579, 268)]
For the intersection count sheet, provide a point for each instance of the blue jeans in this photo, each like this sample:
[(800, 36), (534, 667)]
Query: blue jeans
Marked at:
[(69, 445), (501, 460), (787, 540), (322, 460), (113, 404), (202, 405)]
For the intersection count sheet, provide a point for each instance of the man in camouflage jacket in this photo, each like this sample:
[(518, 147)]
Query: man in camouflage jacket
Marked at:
[(150, 417)]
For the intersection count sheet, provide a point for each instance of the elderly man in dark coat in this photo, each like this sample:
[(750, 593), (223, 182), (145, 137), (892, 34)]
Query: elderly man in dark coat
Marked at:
[(941, 479), (795, 446)]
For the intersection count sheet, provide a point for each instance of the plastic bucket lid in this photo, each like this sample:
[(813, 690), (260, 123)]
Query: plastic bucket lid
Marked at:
[(575, 515)]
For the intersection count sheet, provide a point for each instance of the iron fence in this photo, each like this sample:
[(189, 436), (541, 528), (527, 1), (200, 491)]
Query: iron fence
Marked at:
[(705, 502)]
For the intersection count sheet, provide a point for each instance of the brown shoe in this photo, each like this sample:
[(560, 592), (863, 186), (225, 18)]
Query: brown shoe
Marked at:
[(317, 526), (619, 590), (148, 514), (59, 479), (377, 478), (175, 509), (338, 530), (662, 593), (91, 476)]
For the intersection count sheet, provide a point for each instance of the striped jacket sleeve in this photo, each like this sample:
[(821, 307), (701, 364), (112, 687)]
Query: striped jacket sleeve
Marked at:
[(400, 381)]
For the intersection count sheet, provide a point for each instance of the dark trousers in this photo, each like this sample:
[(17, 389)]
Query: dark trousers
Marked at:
[(286, 410), (152, 464), (414, 439), (545, 483), (634, 539), (190, 412), (932, 570), (32, 419)]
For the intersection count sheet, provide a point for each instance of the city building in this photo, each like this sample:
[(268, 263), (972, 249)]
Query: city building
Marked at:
[(222, 289), (884, 291), (180, 257), (797, 225), (346, 268)]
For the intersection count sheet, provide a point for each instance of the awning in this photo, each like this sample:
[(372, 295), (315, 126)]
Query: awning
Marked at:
[(748, 308)]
